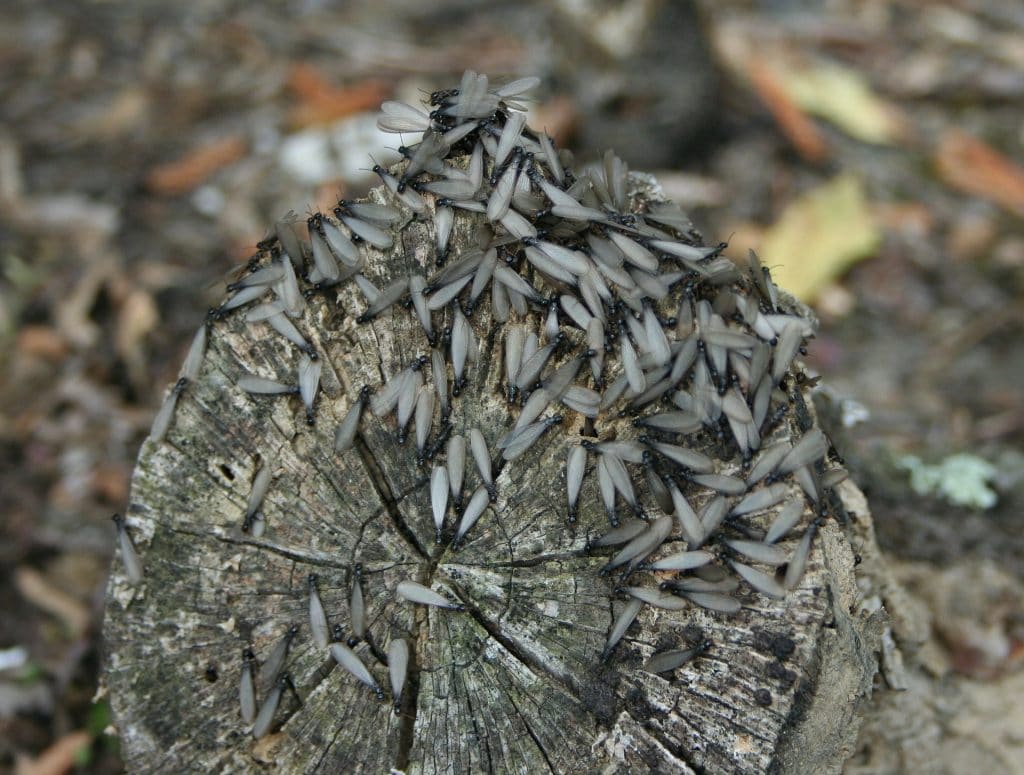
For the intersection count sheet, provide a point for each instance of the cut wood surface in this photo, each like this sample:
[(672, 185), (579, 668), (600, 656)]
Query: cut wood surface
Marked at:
[(513, 679)]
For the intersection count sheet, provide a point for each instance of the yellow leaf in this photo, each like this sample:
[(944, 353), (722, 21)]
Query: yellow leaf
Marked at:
[(843, 97), (819, 236)]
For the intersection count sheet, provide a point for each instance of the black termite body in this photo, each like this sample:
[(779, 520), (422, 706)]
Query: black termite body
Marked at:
[(443, 96), (622, 623), (196, 352), (414, 592), (638, 548), (264, 244), (797, 564), (272, 667), (574, 472), (482, 456), (260, 486), (388, 298), (349, 660), (317, 616), (424, 417), (257, 385), (247, 687), (655, 597), (268, 709), (667, 661), (265, 718), (309, 383), (455, 454), (759, 580), (398, 668), (439, 491), (345, 435), (607, 489), (439, 441), (163, 418), (627, 531), (474, 510)]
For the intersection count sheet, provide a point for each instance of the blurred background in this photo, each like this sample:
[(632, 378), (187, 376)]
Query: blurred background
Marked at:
[(871, 151)]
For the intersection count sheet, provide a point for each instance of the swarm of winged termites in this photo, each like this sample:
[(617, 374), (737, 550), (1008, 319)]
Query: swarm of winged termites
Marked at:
[(619, 331)]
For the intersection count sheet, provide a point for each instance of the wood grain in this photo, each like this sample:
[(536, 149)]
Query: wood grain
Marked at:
[(515, 683)]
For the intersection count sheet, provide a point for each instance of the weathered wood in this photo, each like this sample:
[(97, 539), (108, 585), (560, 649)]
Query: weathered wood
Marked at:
[(515, 683)]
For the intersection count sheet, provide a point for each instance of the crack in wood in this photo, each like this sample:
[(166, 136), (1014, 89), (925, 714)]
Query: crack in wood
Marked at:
[(290, 554), (493, 629), (677, 750), (476, 730), (410, 697), (407, 724), (387, 497), (533, 735), (532, 562)]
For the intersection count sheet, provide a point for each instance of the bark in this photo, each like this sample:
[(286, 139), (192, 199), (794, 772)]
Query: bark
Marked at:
[(515, 683)]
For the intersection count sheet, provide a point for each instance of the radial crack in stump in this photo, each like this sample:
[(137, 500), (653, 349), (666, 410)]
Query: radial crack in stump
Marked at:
[(514, 425)]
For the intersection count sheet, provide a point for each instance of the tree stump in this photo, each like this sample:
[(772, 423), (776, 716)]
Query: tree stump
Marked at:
[(513, 682)]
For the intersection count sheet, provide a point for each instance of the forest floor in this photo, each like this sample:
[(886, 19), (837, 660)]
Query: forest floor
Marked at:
[(873, 155)]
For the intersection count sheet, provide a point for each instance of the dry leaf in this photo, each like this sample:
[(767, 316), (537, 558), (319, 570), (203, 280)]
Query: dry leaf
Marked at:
[(110, 481), (196, 167), (136, 319), (843, 97), (968, 164), (73, 315), (819, 236), (125, 112), (793, 123), (320, 102), (792, 87), (58, 758), (35, 588), (42, 342)]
